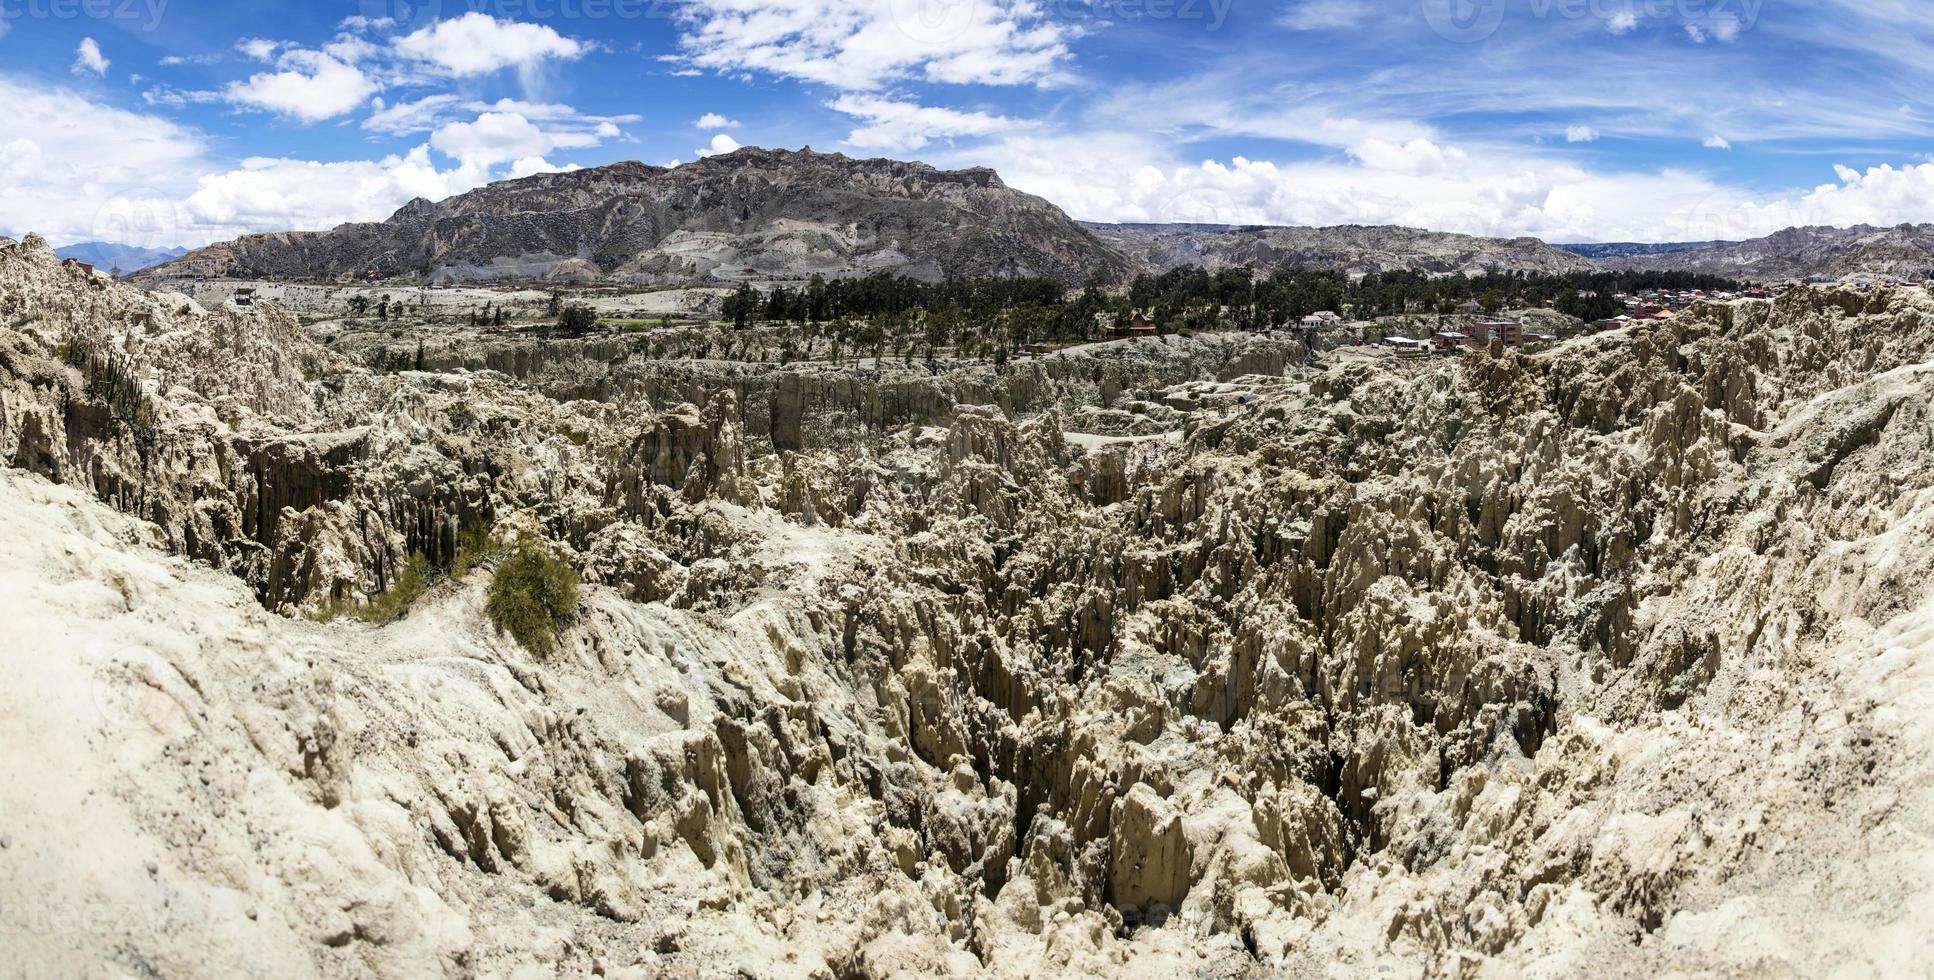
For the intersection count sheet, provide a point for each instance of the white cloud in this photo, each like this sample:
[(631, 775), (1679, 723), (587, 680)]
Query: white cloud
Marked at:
[(550, 112), (532, 166), (1580, 134), (360, 23), (1718, 143), (721, 143), (503, 137), (1317, 15), (404, 118), (861, 46), (1417, 157), (88, 59), (257, 49), (477, 44), (311, 87), (713, 120), (1623, 22), (901, 127)]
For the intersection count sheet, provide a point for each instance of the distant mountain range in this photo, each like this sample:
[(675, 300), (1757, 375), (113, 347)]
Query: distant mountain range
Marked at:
[(762, 215), (107, 256), (1621, 250), (1346, 248), (1901, 252)]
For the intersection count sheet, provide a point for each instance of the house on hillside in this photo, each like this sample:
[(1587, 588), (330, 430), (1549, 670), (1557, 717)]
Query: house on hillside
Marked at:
[(245, 296), (77, 264), (1449, 339), (1136, 325), (1321, 318), (1469, 307)]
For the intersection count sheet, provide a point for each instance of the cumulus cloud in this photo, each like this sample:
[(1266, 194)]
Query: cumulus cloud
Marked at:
[(311, 86), (721, 143), (902, 127), (276, 193), (477, 44), (863, 46), (76, 170), (713, 120), (1489, 190), (1718, 143), (1418, 157), (503, 137), (88, 58), (1623, 22), (1580, 134), (65, 161)]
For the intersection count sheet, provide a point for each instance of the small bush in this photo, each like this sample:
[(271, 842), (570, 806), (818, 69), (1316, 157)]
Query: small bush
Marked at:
[(530, 596), (411, 582)]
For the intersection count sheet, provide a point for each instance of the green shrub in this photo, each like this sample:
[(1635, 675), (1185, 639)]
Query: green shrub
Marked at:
[(530, 596), (474, 547)]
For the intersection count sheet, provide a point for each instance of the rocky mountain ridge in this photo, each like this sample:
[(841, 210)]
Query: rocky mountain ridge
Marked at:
[(1904, 252), (1347, 248), (746, 215), (1620, 250)]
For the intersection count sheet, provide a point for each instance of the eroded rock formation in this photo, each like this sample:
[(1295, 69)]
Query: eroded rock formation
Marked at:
[(1614, 659)]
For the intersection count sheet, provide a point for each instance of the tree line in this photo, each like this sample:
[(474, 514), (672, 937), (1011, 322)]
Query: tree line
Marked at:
[(1030, 310)]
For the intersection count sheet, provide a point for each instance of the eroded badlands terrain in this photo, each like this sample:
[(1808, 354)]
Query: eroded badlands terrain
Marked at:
[(1168, 657)]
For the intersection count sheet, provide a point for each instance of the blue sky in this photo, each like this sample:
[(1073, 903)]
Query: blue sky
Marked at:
[(187, 121)]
